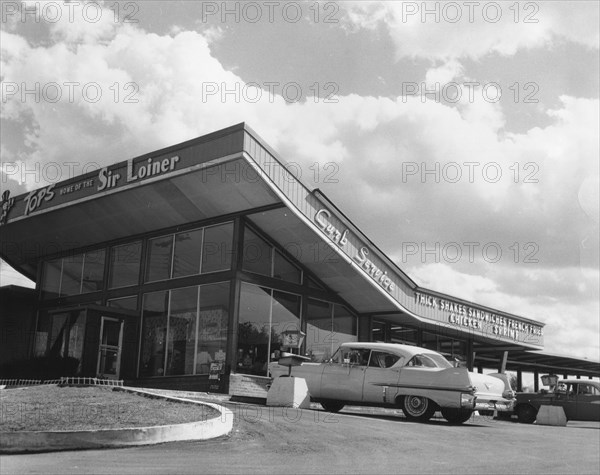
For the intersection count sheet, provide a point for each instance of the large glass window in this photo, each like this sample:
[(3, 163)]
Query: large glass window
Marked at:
[(257, 254), (71, 275), (77, 337), (154, 334), (61, 335), (262, 258), (344, 325), (283, 269), (93, 271), (319, 345), (125, 264), (212, 326), (403, 335), (253, 329), (158, 265), (184, 330), (52, 277), (327, 327), (56, 345), (217, 248), (379, 331), (181, 344), (265, 314), (285, 317), (188, 248)]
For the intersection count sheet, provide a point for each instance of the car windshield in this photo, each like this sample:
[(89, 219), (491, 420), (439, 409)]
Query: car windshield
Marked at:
[(429, 360)]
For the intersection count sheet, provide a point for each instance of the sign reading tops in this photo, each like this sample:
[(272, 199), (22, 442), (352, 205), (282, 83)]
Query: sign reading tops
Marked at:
[(106, 179)]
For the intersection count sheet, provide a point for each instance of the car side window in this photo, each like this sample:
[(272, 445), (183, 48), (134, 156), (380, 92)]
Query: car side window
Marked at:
[(381, 359), (588, 390), (355, 356), (422, 361)]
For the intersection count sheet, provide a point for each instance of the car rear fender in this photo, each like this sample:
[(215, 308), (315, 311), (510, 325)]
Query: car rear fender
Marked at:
[(442, 386)]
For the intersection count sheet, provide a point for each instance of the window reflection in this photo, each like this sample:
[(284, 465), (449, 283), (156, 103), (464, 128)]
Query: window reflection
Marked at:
[(264, 315), (184, 330), (125, 264), (217, 248), (327, 327), (188, 247), (160, 251), (181, 345)]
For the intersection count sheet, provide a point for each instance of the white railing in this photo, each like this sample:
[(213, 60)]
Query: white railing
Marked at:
[(27, 382), (63, 381), (81, 381)]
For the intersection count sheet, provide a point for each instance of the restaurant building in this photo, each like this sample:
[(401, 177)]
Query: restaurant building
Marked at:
[(192, 265)]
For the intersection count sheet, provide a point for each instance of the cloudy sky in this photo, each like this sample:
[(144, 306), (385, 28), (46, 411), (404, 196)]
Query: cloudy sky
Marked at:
[(461, 138)]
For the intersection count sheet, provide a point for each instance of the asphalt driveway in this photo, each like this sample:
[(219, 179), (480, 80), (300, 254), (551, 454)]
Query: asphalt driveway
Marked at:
[(276, 440)]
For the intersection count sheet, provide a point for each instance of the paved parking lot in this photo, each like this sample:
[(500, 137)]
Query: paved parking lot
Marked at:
[(276, 440)]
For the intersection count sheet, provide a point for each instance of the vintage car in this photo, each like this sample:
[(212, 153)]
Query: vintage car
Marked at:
[(580, 399), (417, 380)]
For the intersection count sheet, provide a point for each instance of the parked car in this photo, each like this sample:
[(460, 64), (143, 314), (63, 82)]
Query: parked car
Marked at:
[(580, 399), (417, 380)]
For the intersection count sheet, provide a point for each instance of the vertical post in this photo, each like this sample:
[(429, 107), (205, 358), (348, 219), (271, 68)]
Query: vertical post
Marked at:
[(503, 363), (536, 380), (470, 355), (519, 380)]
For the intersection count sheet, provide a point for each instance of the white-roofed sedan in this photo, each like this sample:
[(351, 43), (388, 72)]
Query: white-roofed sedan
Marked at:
[(417, 380)]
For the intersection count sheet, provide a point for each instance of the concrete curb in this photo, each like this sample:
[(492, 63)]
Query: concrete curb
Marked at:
[(46, 441)]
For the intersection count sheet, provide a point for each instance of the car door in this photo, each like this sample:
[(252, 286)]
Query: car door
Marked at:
[(587, 402), (343, 377), (381, 378)]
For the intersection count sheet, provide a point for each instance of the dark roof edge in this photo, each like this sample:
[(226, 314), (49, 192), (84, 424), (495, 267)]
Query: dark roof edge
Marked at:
[(163, 151)]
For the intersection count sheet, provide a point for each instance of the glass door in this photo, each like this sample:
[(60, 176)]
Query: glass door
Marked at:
[(109, 351)]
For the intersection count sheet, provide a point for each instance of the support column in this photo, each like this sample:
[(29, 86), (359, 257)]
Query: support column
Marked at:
[(536, 381), (470, 355), (502, 368), (519, 380), (365, 327)]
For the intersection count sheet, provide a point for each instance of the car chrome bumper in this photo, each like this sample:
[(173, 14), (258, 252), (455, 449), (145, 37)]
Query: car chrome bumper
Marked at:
[(505, 405)]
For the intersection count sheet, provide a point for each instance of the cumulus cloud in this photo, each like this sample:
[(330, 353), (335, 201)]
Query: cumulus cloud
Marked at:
[(459, 30), (565, 307)]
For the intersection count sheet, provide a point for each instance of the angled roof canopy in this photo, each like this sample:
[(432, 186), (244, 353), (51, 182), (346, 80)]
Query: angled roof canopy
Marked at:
[(234, 171)]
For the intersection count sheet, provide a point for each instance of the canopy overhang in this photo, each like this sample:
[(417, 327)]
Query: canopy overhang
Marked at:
[(225, 173)]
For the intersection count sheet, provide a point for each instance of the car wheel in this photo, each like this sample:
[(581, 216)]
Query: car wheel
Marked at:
[(526, 414), (418, 408), (456, 415), (332, 406)]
